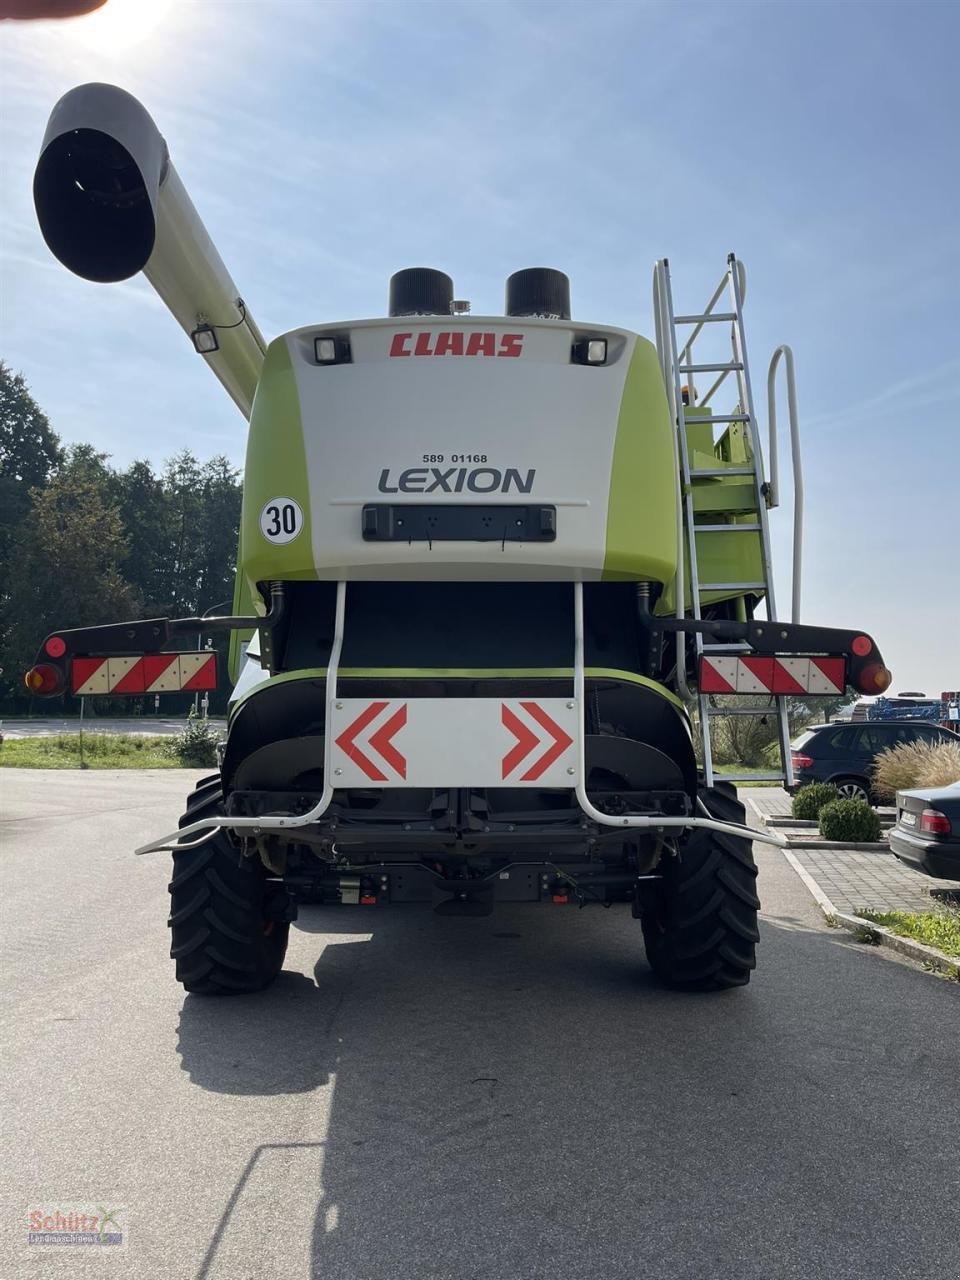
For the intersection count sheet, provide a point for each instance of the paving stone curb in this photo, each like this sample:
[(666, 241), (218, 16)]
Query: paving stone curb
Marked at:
[(859, 847), (801, 824), (919, 951)]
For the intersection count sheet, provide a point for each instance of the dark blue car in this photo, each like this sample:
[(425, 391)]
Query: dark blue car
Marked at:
[(844, 753)]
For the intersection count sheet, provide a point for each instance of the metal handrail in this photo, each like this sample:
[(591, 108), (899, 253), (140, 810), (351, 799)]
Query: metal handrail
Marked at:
[(667, 351), (773, 483), (274, 823), (643, 821)]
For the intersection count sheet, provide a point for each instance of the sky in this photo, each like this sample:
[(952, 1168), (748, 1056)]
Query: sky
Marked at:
[(327, 144)]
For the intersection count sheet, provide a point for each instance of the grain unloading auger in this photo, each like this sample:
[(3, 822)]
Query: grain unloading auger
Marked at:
[(490, 564)]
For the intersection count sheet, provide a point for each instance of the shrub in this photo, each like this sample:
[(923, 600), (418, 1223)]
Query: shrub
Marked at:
[(915, 764), (196, 743), (810, 799), (849, 820)]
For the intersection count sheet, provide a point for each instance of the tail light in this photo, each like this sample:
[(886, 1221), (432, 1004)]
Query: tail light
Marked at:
[(44, 679), (800, 761), (935, 822)]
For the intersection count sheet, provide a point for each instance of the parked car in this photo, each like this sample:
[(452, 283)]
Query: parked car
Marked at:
[(844, 753), (927, 834)]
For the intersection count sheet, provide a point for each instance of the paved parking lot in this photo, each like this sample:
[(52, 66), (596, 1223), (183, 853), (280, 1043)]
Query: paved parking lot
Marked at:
[(854, 878), (876, 880), (508, 1098)]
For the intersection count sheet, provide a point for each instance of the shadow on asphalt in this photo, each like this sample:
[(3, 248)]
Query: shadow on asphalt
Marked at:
[(515, 1097)]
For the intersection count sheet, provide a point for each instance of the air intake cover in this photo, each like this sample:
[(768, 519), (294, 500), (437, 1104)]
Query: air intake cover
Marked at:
[(539, 291), (420, 291)]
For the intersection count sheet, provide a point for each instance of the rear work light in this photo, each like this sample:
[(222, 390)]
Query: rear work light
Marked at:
[(935, 822), (589, 351), (800, 761), (44, 679), (205, 340), (331, 350)]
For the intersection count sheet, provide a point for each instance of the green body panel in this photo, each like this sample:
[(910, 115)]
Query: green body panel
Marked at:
[(699, 435), (641, 537), (728, 557), (276, 465), (721, 557), (716, 498)]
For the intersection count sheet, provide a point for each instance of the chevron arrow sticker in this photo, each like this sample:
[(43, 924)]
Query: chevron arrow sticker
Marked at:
[(378, 743), (559, 740), (454, 742)]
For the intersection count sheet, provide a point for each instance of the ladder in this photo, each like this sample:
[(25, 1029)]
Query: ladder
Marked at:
[(680, 369)]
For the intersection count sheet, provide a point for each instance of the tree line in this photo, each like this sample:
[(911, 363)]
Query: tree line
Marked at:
[(83, 542)]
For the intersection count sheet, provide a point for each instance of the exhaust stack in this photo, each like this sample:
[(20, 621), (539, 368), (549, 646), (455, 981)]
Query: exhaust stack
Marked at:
[(110, 204)]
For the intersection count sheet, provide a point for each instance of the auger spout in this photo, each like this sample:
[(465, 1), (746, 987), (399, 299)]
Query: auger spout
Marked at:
[(110, 204)]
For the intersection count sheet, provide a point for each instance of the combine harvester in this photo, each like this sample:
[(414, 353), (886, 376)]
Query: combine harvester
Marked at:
[(491, 567)]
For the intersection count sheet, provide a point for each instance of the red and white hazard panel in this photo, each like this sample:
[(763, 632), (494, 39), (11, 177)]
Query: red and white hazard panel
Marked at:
[(772, 675), (153, 673), (454, 742)]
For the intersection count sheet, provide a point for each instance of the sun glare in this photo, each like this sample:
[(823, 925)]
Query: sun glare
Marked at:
[(121, 24)]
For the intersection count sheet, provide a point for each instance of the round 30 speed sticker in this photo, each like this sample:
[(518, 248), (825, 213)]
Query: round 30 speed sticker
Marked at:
[(281, 520)]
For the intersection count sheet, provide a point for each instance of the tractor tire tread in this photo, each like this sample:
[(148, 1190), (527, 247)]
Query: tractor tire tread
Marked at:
[(702, 933), (226, 935)]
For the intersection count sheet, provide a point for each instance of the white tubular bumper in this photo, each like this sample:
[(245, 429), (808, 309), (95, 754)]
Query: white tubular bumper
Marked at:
[(637, 821), (271, 823)]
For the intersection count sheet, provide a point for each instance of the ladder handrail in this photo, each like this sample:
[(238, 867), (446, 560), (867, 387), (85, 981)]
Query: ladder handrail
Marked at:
[(686, 354), (773, 484), (667, 351), (753, 434), (675, 362), (661, 323)]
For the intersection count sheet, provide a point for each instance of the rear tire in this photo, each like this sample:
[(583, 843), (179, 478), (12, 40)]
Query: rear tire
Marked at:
[(700, 929), (228, 919)]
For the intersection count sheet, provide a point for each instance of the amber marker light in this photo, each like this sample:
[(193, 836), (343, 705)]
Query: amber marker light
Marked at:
[(874, 678), (43, 678)]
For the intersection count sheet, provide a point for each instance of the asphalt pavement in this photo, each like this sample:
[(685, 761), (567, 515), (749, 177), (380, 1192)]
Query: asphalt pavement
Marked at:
[(418, 1097)]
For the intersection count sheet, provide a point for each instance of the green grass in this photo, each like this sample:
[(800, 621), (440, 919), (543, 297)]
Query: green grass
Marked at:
[(940, 929), (100, 751), (731, 766)]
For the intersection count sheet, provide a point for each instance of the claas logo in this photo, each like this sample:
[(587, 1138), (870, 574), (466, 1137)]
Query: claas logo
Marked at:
[(456, 343)]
